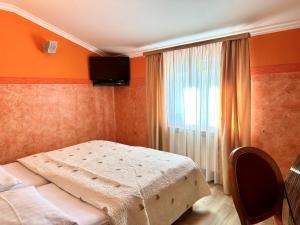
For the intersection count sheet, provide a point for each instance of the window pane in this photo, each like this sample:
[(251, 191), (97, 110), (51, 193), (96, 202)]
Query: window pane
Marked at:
[(192, 87)]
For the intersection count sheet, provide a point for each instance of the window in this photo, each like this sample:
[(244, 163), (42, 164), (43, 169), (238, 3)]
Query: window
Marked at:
[(192, 84)]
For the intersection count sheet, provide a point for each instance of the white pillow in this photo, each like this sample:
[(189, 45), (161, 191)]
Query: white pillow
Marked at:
[(7, 181), (27, 207)]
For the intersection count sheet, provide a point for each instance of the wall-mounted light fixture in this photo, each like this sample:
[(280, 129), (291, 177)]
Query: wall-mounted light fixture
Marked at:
[(50, 47)]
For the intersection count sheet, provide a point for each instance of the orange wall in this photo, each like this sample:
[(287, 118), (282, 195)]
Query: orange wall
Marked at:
[(43, 117), (130, 106), (275, 48), (275, 111), (35, 116), (21, 54)]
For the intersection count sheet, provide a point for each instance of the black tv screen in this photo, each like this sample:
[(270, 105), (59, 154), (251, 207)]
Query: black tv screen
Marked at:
[(109, 70)]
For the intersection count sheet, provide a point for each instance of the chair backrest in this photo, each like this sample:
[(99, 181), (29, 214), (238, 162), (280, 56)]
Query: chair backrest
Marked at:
[(256, 185)]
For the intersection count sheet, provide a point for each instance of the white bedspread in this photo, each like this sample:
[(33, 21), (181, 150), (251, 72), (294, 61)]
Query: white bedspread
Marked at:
[(132, 185)]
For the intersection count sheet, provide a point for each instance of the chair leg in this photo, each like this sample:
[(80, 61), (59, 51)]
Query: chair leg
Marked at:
[(278, 218), (244, 221)]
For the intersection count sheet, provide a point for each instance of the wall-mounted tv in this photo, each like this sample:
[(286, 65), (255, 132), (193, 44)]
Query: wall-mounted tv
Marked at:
[(109, 71)]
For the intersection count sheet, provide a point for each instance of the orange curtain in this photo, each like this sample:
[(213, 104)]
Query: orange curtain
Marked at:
[(156, 115), (235, 101)]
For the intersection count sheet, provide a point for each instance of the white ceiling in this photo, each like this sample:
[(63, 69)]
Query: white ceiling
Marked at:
[(130, 26)]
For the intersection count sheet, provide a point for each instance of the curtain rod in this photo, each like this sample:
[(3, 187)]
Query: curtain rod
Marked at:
[(194, 44)]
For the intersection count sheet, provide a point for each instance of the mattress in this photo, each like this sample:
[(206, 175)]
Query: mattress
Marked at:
[(27, 177), (77, 210)]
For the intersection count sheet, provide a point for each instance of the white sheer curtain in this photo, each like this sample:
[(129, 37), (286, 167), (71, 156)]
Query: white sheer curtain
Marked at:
[(192, 95)]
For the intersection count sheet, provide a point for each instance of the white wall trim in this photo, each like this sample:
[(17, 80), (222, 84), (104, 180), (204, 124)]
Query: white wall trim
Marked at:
[(14, 9), (254, 31)]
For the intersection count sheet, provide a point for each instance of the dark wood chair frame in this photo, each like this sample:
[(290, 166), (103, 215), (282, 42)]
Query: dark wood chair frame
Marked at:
[(243, 215)]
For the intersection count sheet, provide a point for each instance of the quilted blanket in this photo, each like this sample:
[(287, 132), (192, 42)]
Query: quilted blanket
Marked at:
[(132, 185)]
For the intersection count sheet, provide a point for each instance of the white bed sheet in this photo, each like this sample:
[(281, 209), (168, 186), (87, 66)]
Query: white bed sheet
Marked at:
[(77, 210), (27, 177)]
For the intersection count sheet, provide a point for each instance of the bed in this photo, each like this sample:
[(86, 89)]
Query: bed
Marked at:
[(101, 183)]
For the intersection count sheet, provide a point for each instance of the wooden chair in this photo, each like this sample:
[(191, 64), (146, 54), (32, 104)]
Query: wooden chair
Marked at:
[(257, 185)]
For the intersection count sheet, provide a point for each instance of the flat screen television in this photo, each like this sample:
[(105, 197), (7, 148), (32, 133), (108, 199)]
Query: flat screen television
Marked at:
[(109, 71)]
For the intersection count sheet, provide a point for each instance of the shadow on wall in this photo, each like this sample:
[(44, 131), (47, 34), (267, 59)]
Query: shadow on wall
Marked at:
[(39, 41)]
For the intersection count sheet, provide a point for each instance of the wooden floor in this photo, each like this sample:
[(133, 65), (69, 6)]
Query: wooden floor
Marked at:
[(216, 209)]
